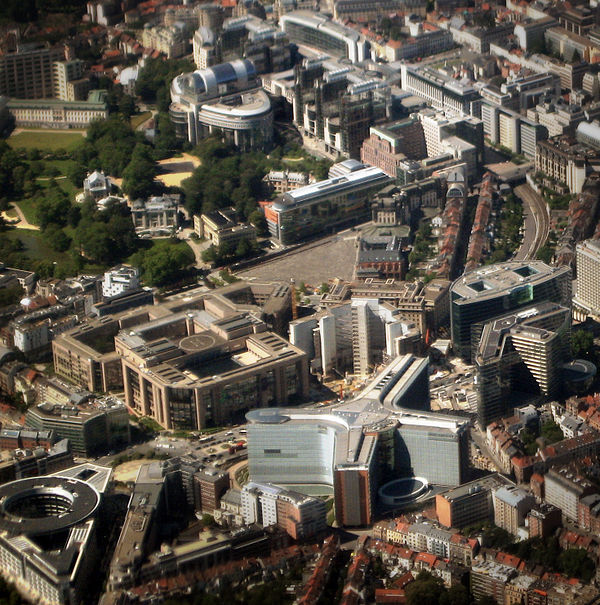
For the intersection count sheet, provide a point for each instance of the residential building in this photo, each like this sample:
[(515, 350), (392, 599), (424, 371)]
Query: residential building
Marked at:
[(119, 280), (489, 579), (564, 160), (543, 519), (564, 488), (156, 213), (27, 72), (172, 41), (299, 515), (511, 505), (69, 84)]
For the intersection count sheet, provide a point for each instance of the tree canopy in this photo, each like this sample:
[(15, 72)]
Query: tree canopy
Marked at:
[(165, 263)]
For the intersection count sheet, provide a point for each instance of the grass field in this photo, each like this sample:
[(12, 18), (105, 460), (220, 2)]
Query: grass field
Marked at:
[(27, 206), (35, 247), (44, 139), (136, 120)]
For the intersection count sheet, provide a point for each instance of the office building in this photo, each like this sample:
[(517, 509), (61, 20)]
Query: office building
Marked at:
[(91, 428), (27, 72), (299, 515), (531, 31), (210, 485), (470, 503), (494, 290), (221, 226), (337, 201), (48, 533), (588, 276), (317, 31), (357, 10), (354, 447), (224, 98), (521, 352), (442, 92), (511, 505), (193, 368)]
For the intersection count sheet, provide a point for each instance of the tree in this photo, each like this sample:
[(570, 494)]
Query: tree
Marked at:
[(576, 563), (138, 176), (551, 432), (243, 248), (11, 295), (56, 238), (165, 263), (582, 345), (257, 218), (53, 207), (426, 590)]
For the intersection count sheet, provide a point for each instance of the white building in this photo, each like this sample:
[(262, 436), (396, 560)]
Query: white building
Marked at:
[(120, 279)]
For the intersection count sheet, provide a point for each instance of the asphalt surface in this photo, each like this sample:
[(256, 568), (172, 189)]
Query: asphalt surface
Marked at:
[(537, 222)]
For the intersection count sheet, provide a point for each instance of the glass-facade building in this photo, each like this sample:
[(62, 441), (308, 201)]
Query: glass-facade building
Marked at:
[(495, 290)]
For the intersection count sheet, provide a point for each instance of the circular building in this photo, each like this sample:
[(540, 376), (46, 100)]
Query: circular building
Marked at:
[(578, 375), (403, 491), (45, 505)]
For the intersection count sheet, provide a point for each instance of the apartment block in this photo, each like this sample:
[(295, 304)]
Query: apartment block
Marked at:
[(511, 505), (27, 72), (564, 488), (588, 275)]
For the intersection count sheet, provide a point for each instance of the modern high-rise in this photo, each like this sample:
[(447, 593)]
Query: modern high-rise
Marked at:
[(495, 290), (27, 73), (588, 276), (523, 351)]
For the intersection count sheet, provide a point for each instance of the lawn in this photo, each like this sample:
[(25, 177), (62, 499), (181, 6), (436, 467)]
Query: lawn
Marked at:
[(27, 206), (35, 247), (140, 118), (46, 140)]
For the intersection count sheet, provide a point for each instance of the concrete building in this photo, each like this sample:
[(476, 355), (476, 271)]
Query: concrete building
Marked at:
[(564, 488), (281, 181), (511, 505), (521, 352), (27, 72), (299, 515), (442, 92), (172, 41), (98, 185), (317, 31), (92, 427), (469, 503), (196, 368), (531, 31), (565, 161), (588, 276), (494, 290), (210, 485), (69, 84), (156, 213), (352, 448), (221, 226), (224, 98), (48, 533)]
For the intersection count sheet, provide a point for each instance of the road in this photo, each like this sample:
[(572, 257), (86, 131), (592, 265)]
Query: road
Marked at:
[(537, 222)]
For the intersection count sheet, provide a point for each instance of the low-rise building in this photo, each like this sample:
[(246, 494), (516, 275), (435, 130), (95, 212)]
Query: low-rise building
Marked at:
[(52, 113), (221, 226), (119, 280), (156, 213)]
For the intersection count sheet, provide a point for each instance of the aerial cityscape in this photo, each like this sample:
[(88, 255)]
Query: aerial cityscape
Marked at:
[(299, 302)]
